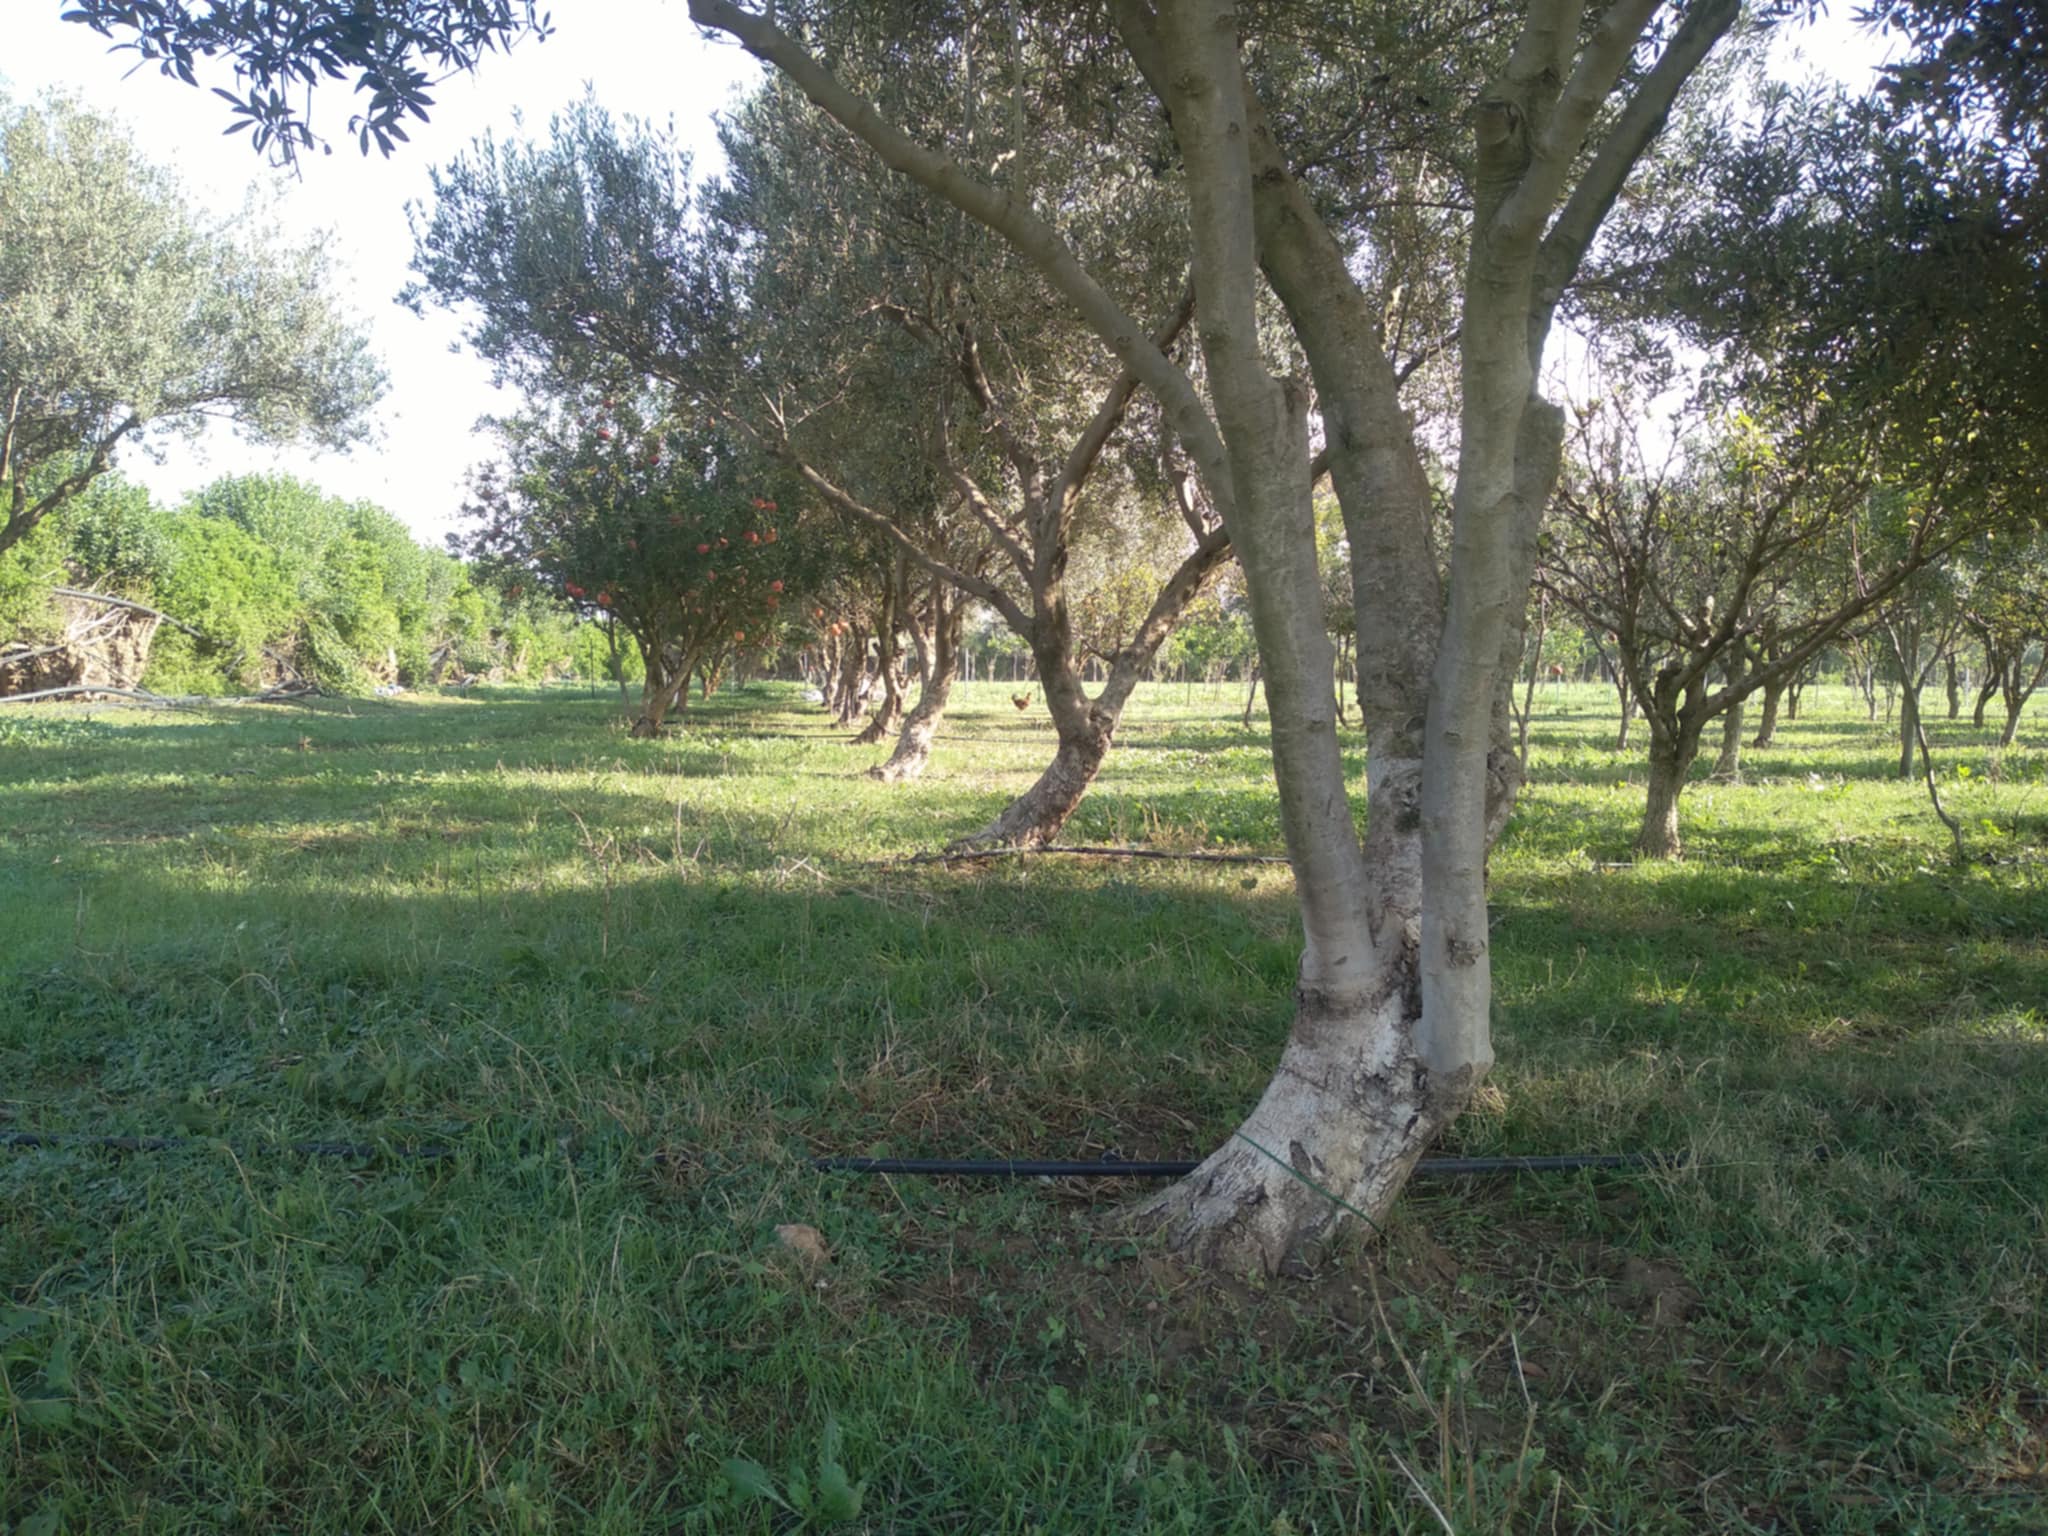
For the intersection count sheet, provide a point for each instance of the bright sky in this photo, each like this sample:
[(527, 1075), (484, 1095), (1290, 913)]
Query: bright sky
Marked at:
[(645, 59)]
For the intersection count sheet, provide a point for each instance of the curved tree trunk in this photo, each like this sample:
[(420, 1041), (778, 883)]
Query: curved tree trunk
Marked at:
[(1086, 726), (1986, 692), (1767, 726), (914, 743), (1035, 817), (2020, 685), (889, 713), (888, 657)]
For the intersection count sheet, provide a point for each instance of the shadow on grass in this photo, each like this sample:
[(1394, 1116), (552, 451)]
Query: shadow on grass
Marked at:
[(473, 966)]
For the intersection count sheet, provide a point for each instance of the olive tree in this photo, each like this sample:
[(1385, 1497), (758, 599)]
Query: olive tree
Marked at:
[(126, 315), (1392, 1025)]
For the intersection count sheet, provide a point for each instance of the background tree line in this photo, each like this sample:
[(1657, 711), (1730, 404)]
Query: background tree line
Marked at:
[(271, 582)]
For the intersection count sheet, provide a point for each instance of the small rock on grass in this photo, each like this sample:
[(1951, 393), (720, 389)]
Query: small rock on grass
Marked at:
[(806, 1242)]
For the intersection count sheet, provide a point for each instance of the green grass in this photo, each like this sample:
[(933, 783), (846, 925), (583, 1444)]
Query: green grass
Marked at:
[(497, 924)]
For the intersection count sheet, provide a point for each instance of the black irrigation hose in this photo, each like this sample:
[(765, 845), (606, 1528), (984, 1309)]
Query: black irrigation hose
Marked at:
[(1009, 1168)]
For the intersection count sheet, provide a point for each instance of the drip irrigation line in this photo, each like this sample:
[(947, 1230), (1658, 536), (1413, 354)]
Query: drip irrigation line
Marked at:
[(932, 1167)]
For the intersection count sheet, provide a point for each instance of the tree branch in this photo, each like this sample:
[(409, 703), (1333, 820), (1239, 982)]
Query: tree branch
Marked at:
[(1007, 215)]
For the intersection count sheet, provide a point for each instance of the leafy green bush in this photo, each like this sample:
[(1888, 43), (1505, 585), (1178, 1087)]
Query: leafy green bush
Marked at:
[(273, 580)]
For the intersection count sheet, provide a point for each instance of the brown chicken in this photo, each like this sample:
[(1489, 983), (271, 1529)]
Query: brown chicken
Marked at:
[(1021, 700)]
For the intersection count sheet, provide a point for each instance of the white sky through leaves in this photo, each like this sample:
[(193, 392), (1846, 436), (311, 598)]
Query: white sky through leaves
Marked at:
[(645, 59)]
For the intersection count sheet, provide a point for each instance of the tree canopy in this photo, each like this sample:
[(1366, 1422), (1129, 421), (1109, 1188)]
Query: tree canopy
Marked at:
[(126, 315)]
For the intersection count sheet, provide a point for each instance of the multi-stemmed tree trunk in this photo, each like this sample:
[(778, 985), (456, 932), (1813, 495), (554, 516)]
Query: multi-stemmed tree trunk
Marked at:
[(1987, 690), (2010, 678), (660, 691), (941, 670), (888, 659), (1391, 1034), (852, 684), (1031, 533), (2015, 688)]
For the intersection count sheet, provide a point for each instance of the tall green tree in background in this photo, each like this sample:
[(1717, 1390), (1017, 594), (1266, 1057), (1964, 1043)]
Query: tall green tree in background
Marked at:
[(125, 315), (674, 535)]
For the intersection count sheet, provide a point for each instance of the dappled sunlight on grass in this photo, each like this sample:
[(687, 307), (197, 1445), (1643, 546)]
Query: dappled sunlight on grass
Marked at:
[(494, 923)]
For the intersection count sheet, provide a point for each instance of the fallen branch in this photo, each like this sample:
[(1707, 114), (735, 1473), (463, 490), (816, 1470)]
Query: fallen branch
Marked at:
[(130, 604), (139, 695), (962, 855), (285, 695)]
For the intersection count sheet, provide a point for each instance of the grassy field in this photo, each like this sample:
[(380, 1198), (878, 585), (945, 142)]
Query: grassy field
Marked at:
[(495, 924)]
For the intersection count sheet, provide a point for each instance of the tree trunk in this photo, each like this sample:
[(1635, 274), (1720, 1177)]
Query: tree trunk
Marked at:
[(1251, 696), (1671, 759), (2018, 687), (1986, 691), (662, 690), (1793, 690), (889, 713), (1909, 726), (1767, 727), (1955, 686), (914, 743), (1035, 817), (1728, 764), (853, 668), (888, 653)]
